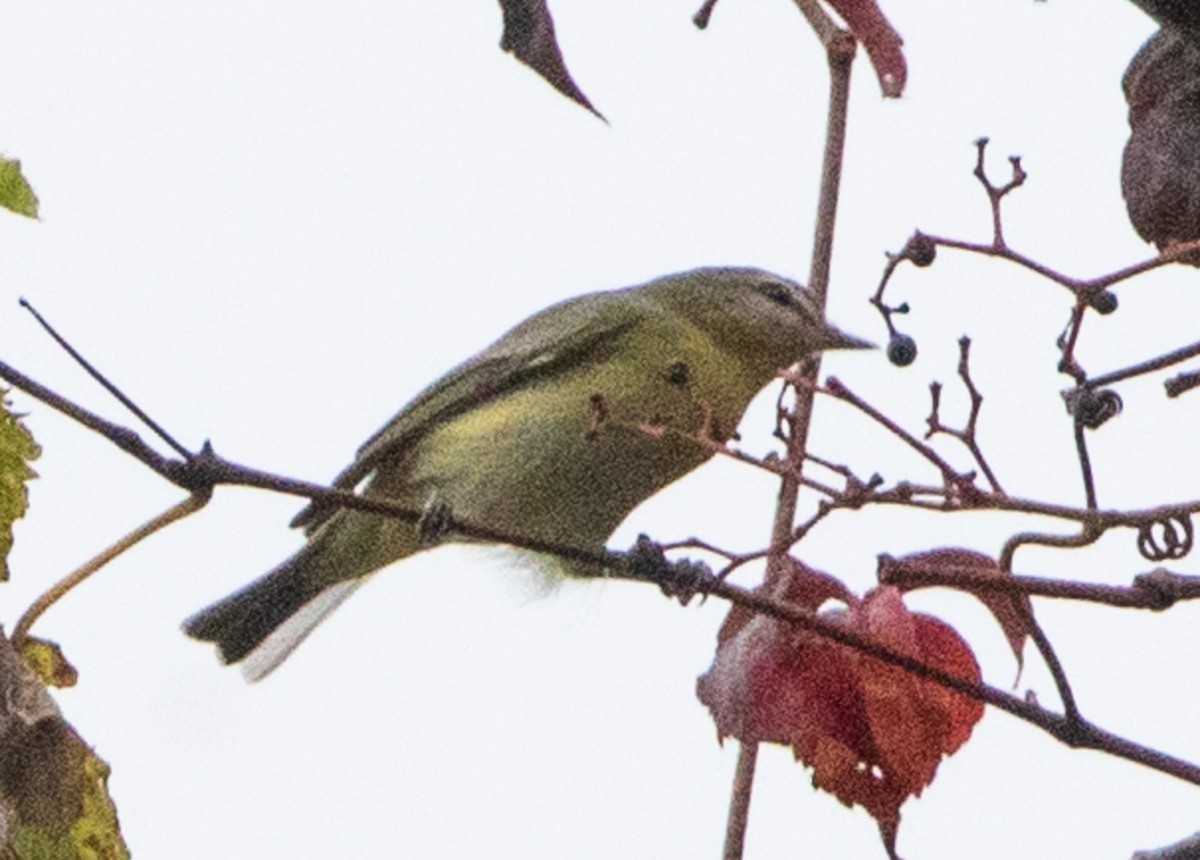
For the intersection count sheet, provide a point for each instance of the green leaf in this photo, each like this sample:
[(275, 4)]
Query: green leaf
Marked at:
[(17, 448), (54, 800), (46, 659), (15, 192)]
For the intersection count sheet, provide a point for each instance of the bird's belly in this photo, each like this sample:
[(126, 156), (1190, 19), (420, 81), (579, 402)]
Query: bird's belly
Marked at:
[(557, 466)]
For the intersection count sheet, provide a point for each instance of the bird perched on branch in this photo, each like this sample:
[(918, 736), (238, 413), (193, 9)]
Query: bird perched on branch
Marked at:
[(553, 433)]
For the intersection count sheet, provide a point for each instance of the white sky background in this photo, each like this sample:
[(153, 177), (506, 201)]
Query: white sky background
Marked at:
[(272, 226)]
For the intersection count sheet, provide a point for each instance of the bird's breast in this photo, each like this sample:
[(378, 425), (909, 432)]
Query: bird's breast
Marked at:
[(567, 458)]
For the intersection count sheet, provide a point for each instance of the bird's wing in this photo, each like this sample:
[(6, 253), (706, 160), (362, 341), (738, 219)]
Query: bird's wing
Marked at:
[(559, 338)]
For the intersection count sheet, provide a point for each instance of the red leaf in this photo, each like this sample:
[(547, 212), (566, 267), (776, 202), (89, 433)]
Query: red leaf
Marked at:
[(1012, 611), (529, 36), (882, 42), (792, 582), (873, 733), (765, 670)]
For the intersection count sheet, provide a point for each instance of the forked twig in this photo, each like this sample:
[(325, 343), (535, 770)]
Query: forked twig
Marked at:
[(968, 434), (997, 193), (103, 380), (206, 470)]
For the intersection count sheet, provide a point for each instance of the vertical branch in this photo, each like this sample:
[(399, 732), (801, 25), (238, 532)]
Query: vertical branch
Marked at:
[(1085, 464), (739, 802), (840, 52), (840, 47)]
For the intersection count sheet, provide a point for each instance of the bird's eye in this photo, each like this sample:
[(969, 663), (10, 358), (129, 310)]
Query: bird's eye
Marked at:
[(778, 293)]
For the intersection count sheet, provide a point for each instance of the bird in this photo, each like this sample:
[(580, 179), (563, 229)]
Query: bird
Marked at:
[(553, 433), (1160, 169)]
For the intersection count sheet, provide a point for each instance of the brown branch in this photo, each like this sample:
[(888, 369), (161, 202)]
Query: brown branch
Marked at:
[(1182, 383), (1155, 590), (684, 580), (56, 592), (93, 372), (960, 488), (997, 193), (967, 435), (1077, 733), (961, 493), (921, 248), (1085, 463), (1075, 285), (206, 470), (1149, 366), (840, 48), (124, 438), (1088, 535), (704, 14), (1066, 344), (739, 802), (830, 34), (1061, 683)]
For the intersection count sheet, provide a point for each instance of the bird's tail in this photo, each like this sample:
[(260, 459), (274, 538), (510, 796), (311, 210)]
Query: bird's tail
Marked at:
[(264, 622)]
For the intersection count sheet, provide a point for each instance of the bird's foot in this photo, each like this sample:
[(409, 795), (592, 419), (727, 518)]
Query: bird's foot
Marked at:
[(436, 522)]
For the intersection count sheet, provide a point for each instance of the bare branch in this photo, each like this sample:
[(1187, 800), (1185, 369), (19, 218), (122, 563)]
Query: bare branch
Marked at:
[(1156, 590), (966, 435), (997, 193)]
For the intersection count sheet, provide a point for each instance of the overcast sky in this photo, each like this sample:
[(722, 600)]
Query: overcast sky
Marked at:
[(273, 224)]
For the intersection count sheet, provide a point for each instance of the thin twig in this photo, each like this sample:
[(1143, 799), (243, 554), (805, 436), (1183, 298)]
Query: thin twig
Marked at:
[(1074, 733), (1156, 590), (968, 434), (55, 593), (104, 381), (205, 470), (1068, 364), (124, 438), (704, 14), (1065, 694), (1182, 383), (827, 31), (840, 48), (1085, 462), (997, 193), (834, 387), (1075, 285), (739, 801), (1087, 536), (1153, 364)]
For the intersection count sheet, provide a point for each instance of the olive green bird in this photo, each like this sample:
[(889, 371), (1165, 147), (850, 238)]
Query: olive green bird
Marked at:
[(555, 432)]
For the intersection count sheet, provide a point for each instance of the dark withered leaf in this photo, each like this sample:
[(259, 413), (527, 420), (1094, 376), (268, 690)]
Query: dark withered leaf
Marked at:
[(529, 36)]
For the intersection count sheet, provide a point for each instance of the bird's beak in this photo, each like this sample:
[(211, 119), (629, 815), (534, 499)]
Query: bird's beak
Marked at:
[(840, 340)]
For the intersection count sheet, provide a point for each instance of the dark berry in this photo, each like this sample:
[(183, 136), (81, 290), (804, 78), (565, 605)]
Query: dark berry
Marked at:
[(921, 250), (1104, 302), (902, 350)]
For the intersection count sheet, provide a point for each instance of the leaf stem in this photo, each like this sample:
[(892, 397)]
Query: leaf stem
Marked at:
[(56, 592)]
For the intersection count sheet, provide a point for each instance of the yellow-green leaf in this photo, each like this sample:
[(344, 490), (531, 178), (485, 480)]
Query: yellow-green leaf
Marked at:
[(17, 448), (46, 659), (54, 801), (15, 191)]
